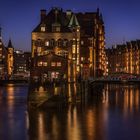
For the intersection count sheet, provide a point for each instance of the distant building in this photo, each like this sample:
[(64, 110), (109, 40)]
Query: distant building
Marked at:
[(10, 58), (3, 59), (6, 59), (27, 56), (124, 58), (21, 63), (13, 62), (68, 45)]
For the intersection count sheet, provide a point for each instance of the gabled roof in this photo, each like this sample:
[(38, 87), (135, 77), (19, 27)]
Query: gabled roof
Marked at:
[(87, 22), (55, 17), (67, 19)]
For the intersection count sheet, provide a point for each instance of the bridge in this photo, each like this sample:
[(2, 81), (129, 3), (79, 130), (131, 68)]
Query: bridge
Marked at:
[(120, 77)]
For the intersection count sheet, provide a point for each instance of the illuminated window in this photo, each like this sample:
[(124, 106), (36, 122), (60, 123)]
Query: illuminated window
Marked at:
[(53, 64), (78, 69), (10, 50), (47, 43), (38, 49), (46, 52), (43, 29), (82, 58), (54, 74), (58, 64), (59, 53), (82, 42), (77, 49), (57, 29), (39, 64), (73, 50), (45, 64)]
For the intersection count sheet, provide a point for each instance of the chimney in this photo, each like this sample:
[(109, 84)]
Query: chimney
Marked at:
[(42, 14)]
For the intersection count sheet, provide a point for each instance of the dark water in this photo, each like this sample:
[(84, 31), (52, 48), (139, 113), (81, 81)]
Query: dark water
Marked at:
[(108, 112)]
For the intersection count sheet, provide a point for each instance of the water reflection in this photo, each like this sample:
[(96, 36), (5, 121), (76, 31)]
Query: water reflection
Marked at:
[(107, 112), (111, 112), (75, 123), (126, 97), (13, 114)]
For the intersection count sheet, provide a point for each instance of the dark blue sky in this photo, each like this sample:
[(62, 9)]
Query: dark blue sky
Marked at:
[(19, 17)]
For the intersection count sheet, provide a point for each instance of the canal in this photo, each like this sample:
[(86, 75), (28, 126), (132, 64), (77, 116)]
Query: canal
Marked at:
[(108, 112)]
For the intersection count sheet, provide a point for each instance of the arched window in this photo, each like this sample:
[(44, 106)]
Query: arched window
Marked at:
[(47, 43), (71, 42), (39, 43), (52, 42), (65, 43), (59, 42)]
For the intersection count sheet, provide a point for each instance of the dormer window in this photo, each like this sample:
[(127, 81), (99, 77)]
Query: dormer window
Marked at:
[(56, 27), (43, 29), (59, 42)]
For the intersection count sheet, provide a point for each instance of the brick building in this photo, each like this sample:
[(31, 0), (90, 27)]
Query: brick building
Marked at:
[(21, 63), (13, 62), (3, 59), (74, 39), (124, 58)]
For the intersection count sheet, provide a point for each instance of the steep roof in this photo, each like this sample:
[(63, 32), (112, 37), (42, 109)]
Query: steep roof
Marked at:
[(67, 19), (10, 44), (56, 17), (73, 21), (87, 22)]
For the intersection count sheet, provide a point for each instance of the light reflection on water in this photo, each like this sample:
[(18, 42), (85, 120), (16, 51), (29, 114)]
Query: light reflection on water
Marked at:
[(110, 112), (13, 112)]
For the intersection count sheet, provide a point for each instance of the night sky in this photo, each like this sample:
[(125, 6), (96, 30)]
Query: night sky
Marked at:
[(19, 17)]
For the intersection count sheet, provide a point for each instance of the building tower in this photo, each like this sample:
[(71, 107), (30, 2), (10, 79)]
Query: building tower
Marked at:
[(10, 58)]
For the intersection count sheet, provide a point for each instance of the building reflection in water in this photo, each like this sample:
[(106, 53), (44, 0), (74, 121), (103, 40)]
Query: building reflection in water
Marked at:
[(125, 97), (73, 127), (89, 121), (99, 118)]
